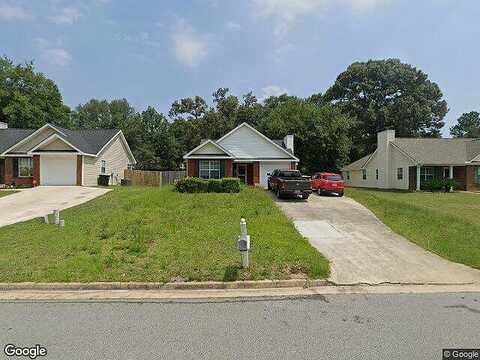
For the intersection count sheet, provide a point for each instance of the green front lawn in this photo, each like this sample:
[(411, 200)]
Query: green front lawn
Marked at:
[(6, 192), (156, 234), (446, 224)]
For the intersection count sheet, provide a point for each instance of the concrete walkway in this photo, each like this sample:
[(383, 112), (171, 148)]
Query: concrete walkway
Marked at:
[(32, 203), (363, 250)]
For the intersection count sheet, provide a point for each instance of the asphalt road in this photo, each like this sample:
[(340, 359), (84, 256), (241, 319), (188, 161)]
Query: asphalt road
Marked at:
[(325, 327)]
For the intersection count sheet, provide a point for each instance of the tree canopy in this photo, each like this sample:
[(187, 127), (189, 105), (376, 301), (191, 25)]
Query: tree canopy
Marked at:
[(383, 94), (28, 99), (468, 126), (330, 129)]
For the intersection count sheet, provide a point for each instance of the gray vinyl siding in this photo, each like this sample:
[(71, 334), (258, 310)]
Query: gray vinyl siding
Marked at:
[(117, 160)]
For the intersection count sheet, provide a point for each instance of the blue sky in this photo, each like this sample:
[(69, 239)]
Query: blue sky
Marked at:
[(154, 52)]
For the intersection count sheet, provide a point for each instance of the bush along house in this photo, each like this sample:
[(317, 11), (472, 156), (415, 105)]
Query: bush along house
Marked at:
[(52, 155), (413, 163), (245, 153)]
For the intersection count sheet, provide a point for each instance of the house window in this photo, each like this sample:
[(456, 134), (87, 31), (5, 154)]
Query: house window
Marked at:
[(477, 178), (103, 170), (348, 175), (25, 167), (364, 174), (426, 173), (376, 174), (400, 174), (209, 169)]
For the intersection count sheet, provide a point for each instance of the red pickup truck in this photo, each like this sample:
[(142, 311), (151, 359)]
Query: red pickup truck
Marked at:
[(327, 183)]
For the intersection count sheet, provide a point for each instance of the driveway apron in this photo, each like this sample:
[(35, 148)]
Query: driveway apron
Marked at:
[(37, 202), (361, 249)]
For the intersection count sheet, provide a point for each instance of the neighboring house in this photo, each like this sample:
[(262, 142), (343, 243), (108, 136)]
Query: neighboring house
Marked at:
[(53, 155), (245, 153), (408, 163)]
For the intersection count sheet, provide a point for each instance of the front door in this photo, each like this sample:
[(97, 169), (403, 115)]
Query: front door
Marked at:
[(242, 173)]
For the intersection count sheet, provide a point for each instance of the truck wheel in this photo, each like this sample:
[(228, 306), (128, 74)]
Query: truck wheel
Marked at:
[(340, 194), (305, 196), (320, 192)]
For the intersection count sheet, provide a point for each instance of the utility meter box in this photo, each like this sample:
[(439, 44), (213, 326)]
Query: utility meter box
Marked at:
[(243, 242)]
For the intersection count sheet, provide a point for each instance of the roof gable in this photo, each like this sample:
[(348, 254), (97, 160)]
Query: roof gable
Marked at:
[(358, 164), (55, 143), (245, 142), (209, 148)]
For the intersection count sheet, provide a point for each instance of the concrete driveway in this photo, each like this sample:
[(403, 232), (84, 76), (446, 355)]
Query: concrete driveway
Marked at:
[(37, 202), (362, 249)]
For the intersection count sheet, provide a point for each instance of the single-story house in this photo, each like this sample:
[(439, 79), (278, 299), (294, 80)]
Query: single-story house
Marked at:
[(245, 153), (53, 155), (408, 163)]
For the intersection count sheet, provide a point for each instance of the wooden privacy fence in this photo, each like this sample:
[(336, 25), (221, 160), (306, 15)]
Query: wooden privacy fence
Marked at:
[(153, 178)]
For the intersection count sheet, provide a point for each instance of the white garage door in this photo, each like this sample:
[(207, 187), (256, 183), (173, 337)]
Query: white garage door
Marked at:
[(268, 167), (58, 170)]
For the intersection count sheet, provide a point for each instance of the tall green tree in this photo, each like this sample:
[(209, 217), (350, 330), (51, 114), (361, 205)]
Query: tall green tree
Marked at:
[(382, 94), (28, 99), (157, 149), (468, 126), (321, 133)]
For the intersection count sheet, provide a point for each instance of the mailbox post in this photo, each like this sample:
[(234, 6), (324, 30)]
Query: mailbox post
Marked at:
[(243, 242)]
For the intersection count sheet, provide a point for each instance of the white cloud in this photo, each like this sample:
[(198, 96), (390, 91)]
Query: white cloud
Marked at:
[(10, 12), (272, 90), (68, 15), (52, 53), (231, 25), (285, 13), (189, 47), (57, 56)]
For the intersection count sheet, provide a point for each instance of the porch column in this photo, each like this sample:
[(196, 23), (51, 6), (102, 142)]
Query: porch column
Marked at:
[(418, 177), (450, 175)]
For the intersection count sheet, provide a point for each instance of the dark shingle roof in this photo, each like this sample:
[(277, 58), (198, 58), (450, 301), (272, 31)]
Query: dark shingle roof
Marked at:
[(89, 141), (9, 137)]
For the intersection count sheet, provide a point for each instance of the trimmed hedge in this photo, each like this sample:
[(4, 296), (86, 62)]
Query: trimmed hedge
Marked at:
[(198, 185)]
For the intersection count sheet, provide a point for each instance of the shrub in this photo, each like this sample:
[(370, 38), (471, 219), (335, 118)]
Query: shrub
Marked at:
[(440, 184), (231, 185), (191, 185), (450, 184), (215, 186), (198, 185)]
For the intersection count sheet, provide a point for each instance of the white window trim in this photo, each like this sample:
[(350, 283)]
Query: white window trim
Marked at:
[(18, 167), (398, 173), (211, 168)]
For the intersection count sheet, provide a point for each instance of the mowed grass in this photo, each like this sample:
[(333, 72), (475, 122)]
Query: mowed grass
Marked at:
[(446, 224), (156, 234), (6, 192)]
